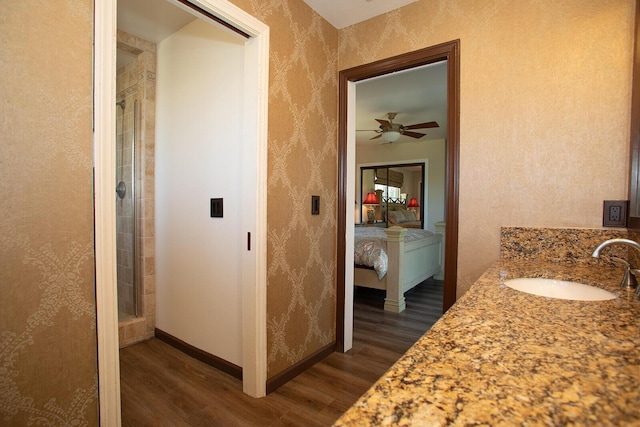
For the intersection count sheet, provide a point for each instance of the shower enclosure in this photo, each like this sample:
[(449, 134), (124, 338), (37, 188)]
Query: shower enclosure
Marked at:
[(133, 188), (126, 208)]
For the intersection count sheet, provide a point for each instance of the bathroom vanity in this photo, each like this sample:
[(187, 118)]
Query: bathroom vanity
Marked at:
[(500, 356)]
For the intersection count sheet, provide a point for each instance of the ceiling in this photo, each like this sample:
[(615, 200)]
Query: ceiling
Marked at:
[(154, 20), (417, 95), (342, 13)]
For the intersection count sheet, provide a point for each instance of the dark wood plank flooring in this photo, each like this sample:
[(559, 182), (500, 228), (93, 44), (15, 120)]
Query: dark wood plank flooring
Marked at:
[(162, 386)]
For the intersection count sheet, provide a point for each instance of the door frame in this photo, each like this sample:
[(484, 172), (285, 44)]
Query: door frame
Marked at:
[(256, 80), (449, 51)]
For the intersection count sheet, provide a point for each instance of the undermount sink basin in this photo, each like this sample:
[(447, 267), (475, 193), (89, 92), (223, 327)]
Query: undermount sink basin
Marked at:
[(559, 289)]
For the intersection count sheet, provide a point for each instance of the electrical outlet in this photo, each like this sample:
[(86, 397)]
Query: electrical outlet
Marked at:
[(615, 213)]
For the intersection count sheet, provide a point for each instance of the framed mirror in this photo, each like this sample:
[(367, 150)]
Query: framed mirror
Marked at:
[(634, 178), (392, 195)]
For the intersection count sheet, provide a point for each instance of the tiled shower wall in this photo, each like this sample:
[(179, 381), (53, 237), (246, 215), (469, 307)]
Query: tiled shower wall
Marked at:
[(137, 81)]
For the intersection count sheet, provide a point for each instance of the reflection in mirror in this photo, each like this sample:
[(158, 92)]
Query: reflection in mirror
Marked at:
[(634, 179), (394, 186)]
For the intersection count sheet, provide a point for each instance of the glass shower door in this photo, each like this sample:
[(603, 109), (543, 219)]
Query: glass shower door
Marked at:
[(126, 208)]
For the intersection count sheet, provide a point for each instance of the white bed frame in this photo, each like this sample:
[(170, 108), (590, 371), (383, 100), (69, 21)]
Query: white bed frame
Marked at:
[(410, 263)]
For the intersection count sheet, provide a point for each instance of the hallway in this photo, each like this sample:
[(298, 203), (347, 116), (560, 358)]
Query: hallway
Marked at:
[(163, 387)]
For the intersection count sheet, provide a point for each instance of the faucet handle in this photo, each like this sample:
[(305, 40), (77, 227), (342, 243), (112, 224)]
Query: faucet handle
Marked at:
[(629, 279)]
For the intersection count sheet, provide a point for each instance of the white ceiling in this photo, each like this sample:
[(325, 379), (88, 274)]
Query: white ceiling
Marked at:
[(417, 95), (342, 13), (151, 20), (154, 20)]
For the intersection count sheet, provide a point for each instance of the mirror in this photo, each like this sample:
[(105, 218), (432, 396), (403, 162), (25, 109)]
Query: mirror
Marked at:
[(388, 188), (634, 184)]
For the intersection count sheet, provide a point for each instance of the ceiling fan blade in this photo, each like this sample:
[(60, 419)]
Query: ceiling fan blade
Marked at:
[(376, 137), (413, 134), (385, 123), (423, 125)]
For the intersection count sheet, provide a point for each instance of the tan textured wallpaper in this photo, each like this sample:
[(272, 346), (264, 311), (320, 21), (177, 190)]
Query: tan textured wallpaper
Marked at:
[(48, 367), (302, 156), (545, 103)]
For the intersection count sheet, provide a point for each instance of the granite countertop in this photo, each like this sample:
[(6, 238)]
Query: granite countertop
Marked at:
[(504, 357)]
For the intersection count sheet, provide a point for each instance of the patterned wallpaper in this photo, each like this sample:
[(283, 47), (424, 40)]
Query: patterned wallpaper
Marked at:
[(48, 366), (545, 104), (302, 161)]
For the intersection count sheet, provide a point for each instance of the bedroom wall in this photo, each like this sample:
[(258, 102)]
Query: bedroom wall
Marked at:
[(199, 111), (48, 320), (302, 161), (544, 108)]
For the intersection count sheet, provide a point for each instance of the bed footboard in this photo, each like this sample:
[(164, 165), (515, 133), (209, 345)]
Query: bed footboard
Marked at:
[(410, 263)]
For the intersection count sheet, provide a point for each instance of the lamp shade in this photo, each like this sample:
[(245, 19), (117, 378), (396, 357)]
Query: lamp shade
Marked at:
[(413, 203), (371, 199)]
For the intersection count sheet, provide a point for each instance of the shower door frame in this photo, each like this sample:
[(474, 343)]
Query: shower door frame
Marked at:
[(254, 278), (131, 190)]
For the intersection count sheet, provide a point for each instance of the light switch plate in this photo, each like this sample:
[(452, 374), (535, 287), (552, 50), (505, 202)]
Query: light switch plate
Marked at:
[(216, 208)]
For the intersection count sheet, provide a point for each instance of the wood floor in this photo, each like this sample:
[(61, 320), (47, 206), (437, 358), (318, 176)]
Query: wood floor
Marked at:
[(161, 386)]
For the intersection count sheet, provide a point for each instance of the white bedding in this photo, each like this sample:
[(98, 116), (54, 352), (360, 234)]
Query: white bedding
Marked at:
[(371, 243)]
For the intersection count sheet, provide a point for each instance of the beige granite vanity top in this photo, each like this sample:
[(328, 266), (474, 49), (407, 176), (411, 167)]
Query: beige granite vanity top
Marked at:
[(504, 357)]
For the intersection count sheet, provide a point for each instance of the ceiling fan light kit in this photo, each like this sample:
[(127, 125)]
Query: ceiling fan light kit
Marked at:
[(391, 135), (390, 131)]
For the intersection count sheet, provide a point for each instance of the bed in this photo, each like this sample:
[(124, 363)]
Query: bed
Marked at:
[(395, 259)]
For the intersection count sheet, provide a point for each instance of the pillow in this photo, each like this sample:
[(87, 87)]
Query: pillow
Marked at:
[(396, 217), (409, 216)]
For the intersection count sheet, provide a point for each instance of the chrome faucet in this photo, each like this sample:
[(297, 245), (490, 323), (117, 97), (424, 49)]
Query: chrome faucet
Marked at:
[(629, 279)]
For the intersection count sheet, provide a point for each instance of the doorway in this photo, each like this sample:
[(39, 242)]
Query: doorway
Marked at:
[(253, 224), (346, 170)]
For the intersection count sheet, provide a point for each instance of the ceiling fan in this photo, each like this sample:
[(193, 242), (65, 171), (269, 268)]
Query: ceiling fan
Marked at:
[(391, 131)]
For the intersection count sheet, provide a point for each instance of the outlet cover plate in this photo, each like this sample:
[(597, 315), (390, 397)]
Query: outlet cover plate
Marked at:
[(615, 213)]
